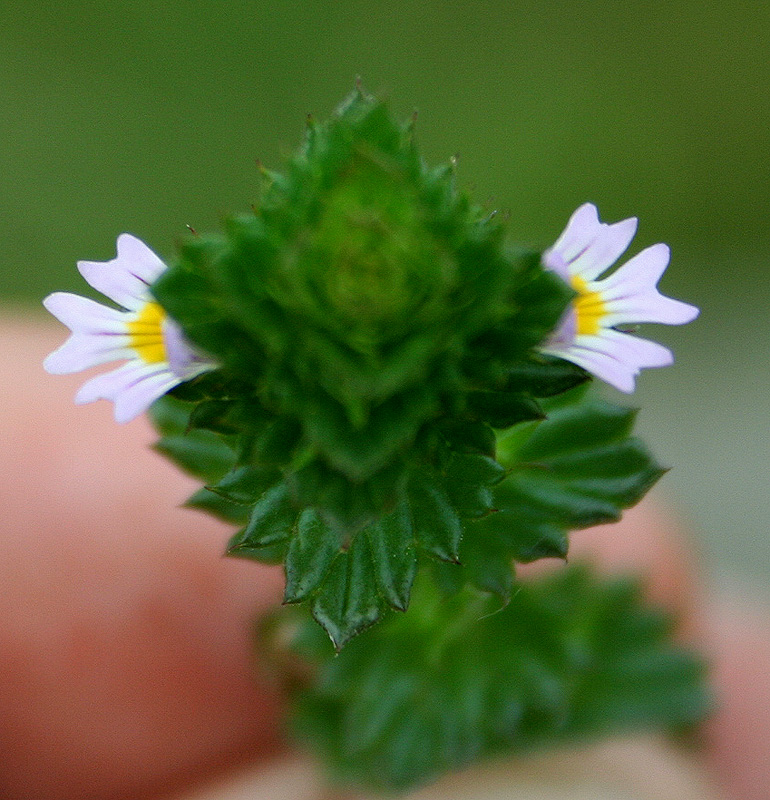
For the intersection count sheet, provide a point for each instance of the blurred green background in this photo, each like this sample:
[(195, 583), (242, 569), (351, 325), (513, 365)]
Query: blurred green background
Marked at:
[(147, 116)]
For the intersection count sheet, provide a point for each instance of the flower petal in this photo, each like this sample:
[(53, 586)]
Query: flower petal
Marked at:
[(82, 315), (582, 228), (184, 361), (649, 307), (109, 384), (642, 271), (133, 387), (85, 350), (603, 365), (630, 296), (608, 245), (139, 397), (642, 353), (615, 357), (126, 278), (144, 263)]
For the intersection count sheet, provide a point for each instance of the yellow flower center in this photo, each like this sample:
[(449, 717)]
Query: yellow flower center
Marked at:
[(146, 333), (589, 307)]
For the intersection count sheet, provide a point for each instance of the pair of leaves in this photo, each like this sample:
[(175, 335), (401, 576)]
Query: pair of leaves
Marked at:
[(577, 468), (570, 656), (351, 583)]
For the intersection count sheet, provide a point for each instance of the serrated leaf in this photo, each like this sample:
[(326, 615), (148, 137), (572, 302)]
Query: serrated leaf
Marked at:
[(468, 478), (575, 469), (200, 453), (545, 377), (275, 442), (574, 428), (436, 525), (244, 485), (487, 565), (272, 553), (345, 605), (346, 505), (525, 536), (503, 409), (170, 416), (214, 415), (465, 436), (271, 521), (394, 555), (361, 452), (218, 506), (549, 498), (569, 655), (311, 552)]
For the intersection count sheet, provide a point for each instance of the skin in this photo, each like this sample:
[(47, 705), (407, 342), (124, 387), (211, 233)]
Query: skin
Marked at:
[(126, 669)]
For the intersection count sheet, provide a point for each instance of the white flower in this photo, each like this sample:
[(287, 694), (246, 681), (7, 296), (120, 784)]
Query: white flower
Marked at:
[(587, 334), (156, 353)]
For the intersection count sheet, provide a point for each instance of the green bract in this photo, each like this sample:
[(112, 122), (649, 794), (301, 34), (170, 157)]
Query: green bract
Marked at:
[(455, 680), (375, 338)]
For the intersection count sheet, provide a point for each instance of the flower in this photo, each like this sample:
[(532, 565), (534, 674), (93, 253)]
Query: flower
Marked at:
[(156, 353), (588, 334)]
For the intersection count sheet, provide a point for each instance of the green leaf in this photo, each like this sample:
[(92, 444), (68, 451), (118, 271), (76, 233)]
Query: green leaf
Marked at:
[(311, 552), (200, 453), (244, 485), (577, 468), (465, 436), (359, 453), (345, 604), (271, 521), (394, 555), (545, 376), (274, 443), (503, 409), (436, 524), (218, 506), (576, 428), (487, 565), (170, 416), (468, 479), (458, 678), (524, 536)]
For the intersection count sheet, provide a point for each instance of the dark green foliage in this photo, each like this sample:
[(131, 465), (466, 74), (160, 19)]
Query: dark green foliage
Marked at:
[(363, 299), (383, 424), (453, 502), (578, 467), (376, 338), (459, 679), (200, 452)]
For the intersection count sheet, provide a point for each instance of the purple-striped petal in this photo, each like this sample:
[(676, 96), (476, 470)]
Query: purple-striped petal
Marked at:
[(601, 364), (184, 361), (628, 295), (644, 269), (82, 315), (139, 397), (125, 279), (133, 387), (649, 307), (582, 228), (615, 357), (633, 350), (139, 259), (108, 385), (608, 245), (85, 350)]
